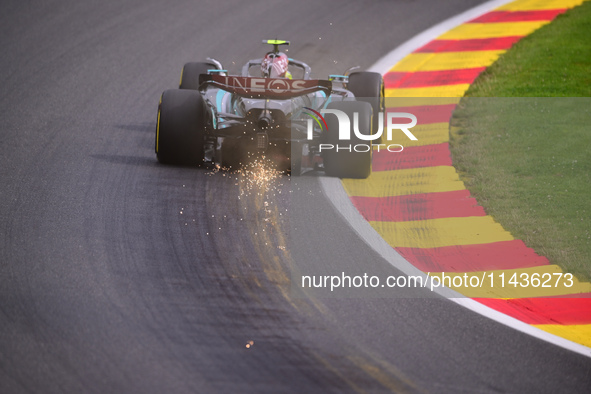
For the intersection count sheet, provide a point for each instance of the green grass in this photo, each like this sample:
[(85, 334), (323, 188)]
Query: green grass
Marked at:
[(554, 61), (524, 153)]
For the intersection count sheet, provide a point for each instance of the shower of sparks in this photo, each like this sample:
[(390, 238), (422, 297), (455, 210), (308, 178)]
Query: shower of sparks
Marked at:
[(259, 177)]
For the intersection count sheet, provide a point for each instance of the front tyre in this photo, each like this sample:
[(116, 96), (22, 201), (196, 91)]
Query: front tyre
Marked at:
[(348, 159), (181, 126)]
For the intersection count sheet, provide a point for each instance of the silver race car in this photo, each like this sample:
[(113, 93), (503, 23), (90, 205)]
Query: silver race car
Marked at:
[(296, 122)]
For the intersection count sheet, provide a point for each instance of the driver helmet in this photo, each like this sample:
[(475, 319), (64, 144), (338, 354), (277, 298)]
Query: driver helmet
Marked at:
[(274, 65)]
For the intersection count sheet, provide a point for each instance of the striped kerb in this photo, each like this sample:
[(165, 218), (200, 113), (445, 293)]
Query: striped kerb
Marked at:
[(416, 201)]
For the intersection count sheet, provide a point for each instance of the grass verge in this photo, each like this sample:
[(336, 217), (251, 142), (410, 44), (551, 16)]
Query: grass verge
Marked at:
[(525, 153)]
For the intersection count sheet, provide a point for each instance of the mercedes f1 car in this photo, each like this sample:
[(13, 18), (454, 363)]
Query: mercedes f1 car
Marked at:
[(226, 120)]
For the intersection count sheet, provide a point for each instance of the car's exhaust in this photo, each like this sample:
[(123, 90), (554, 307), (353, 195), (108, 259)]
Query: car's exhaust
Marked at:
[(265, 119)]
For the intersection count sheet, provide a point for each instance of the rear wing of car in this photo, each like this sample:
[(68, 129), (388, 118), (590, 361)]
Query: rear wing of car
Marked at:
[(273, 88)]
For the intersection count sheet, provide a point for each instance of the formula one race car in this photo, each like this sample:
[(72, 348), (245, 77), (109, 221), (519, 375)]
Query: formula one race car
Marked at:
[(228, 120)]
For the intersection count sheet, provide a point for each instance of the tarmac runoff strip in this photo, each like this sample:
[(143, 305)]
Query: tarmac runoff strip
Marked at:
[(417, 203)]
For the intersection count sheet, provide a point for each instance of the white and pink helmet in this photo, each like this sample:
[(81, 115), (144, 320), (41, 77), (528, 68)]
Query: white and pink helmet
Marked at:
[(274, 65)]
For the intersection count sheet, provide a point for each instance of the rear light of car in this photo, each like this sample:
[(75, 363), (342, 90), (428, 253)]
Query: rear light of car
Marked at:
[(262, 141)]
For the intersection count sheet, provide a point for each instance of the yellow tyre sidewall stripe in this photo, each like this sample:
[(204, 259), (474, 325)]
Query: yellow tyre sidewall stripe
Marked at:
[(158, 124)]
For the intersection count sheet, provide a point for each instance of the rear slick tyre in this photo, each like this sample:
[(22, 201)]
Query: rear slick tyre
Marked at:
[(181, 127), (369, 87), (348, 159)]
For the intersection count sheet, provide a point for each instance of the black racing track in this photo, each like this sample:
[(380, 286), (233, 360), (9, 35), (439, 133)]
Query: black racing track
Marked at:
[(118, 274)]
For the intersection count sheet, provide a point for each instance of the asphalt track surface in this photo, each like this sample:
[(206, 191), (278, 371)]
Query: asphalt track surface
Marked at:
[(107, 287)]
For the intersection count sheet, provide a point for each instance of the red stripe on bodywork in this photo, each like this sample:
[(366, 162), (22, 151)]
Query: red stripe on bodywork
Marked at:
[(426, 114), (420, 79), (412, 157), (418, 206), (477, 44), (544, 310), (518, 16), (468, 258)]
